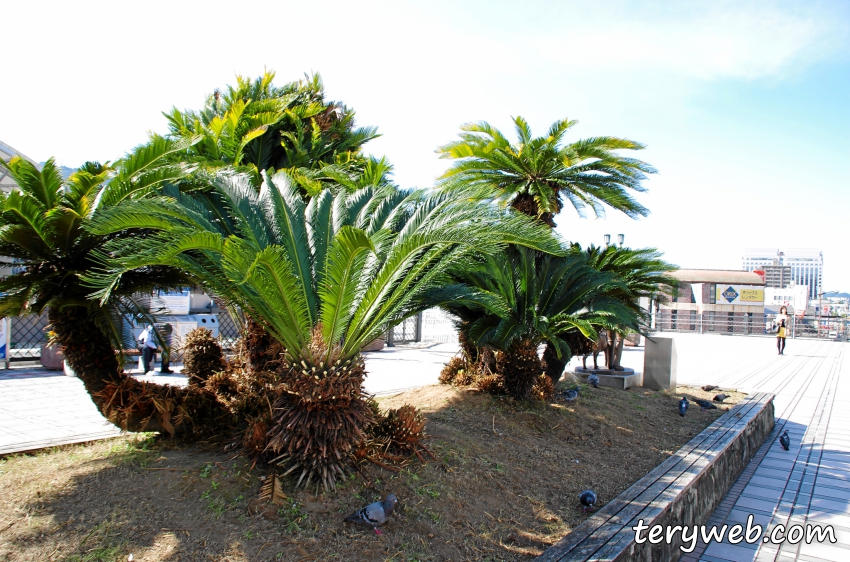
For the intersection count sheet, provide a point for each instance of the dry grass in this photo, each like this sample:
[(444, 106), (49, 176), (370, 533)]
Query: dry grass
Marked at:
[(504, 486)]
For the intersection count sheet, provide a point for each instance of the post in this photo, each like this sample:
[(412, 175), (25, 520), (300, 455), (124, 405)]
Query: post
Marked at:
[(793, 326), (419, 326), (8, 332)]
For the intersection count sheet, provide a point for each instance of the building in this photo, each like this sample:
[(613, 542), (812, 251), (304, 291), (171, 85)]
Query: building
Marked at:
[(777, 276), (806, 266), (6, 154), (795, 297), (712, 300)]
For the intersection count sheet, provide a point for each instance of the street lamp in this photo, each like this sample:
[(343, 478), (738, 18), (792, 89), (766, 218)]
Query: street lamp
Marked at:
[(620, 239), (607, 239)]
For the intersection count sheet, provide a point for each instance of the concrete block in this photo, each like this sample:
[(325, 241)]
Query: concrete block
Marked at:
[(659, 364)]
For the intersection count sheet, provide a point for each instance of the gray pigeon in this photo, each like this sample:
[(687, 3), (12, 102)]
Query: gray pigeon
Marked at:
[(709, 387), (374, 514), (569, 395), (705, 404), (785, 441), (683, 406), (720, 397), (587, 499), (593, 379)]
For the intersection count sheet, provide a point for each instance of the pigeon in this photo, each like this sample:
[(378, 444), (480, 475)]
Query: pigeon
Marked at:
[(720, 397), (374, 514), (593, 379), (569, 395), (709, 387), (705, 404), (587, 499), (683, 406), (785, 441)]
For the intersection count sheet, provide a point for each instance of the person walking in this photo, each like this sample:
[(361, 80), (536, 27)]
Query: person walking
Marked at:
[(166, 332), (783, 324), (147, 343)]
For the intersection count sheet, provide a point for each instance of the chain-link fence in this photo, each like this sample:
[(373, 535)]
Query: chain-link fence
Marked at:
[(27, 335), (229, 330)]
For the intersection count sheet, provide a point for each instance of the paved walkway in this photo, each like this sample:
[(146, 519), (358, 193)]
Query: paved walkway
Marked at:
[(811, 482), (40, 408)]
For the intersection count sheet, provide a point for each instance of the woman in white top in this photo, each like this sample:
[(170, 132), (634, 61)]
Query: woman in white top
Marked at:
[(782, 331)]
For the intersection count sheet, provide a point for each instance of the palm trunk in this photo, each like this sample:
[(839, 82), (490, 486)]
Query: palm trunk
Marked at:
[(554, 367), (129, 404), (520, 366)]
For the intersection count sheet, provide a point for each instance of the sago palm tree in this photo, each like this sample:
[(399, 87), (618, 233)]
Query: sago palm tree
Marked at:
[(256, 126), (531, 299), (42, 232), (644, 275), (324, 277), (536, 174)]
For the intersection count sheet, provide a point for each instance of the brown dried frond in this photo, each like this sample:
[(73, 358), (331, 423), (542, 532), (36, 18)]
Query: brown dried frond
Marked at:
[(272, 490), (543, 388), (491, 384), (456, 372)]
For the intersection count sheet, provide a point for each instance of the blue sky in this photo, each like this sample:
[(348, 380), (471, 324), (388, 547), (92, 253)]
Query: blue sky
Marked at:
[(744, 107)]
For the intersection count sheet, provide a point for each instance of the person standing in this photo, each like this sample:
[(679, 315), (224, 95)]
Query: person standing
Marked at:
[(783, 325), (147, 343), (166, 332)]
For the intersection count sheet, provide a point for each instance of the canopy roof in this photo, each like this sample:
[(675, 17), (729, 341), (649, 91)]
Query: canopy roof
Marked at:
[(6, 153), (732, 277)]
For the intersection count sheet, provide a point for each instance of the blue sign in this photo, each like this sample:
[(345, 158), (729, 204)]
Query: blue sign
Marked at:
[(730, 294)]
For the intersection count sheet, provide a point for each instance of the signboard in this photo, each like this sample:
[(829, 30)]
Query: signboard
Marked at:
[(172, 302), (747, 295), (4, 322)]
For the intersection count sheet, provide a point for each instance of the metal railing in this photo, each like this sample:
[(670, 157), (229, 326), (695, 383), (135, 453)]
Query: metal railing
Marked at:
[(833, 328)]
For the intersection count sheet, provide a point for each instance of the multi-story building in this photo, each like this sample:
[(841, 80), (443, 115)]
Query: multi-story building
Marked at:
[(710, 300), (805, 266)]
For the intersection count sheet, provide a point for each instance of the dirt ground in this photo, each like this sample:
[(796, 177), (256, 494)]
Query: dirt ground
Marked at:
[(504, 487)]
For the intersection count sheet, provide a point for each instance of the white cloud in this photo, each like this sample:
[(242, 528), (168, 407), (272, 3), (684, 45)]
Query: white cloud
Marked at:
[(705, 40)]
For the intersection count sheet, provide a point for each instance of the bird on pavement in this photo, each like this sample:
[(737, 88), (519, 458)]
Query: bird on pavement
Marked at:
[(683, 406), (720, 397), (587, 499), (709, 387), (374, 514), (705, 404), (593, 379), (785, 441)]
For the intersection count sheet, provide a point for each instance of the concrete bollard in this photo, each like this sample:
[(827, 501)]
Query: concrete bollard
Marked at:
[(659, 364)]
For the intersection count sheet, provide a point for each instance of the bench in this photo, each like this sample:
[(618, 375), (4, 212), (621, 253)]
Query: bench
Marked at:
[(683, 490)]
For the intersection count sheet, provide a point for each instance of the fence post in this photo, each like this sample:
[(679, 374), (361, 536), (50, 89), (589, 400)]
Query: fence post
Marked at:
[(8, 321), (419, 326), (794, 327)]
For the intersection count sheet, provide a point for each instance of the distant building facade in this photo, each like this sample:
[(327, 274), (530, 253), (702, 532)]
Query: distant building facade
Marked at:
[(804, 265), (795, 297), (712, 300)]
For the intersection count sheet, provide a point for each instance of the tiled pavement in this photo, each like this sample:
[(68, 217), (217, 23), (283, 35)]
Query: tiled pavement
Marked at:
[(41, 408), (810, 484)]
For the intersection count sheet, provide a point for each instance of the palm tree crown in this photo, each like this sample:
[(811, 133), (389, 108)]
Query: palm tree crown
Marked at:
[(537, 173)]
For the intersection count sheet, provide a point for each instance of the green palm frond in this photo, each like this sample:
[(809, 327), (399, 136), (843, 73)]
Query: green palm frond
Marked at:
[(537, 174)]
